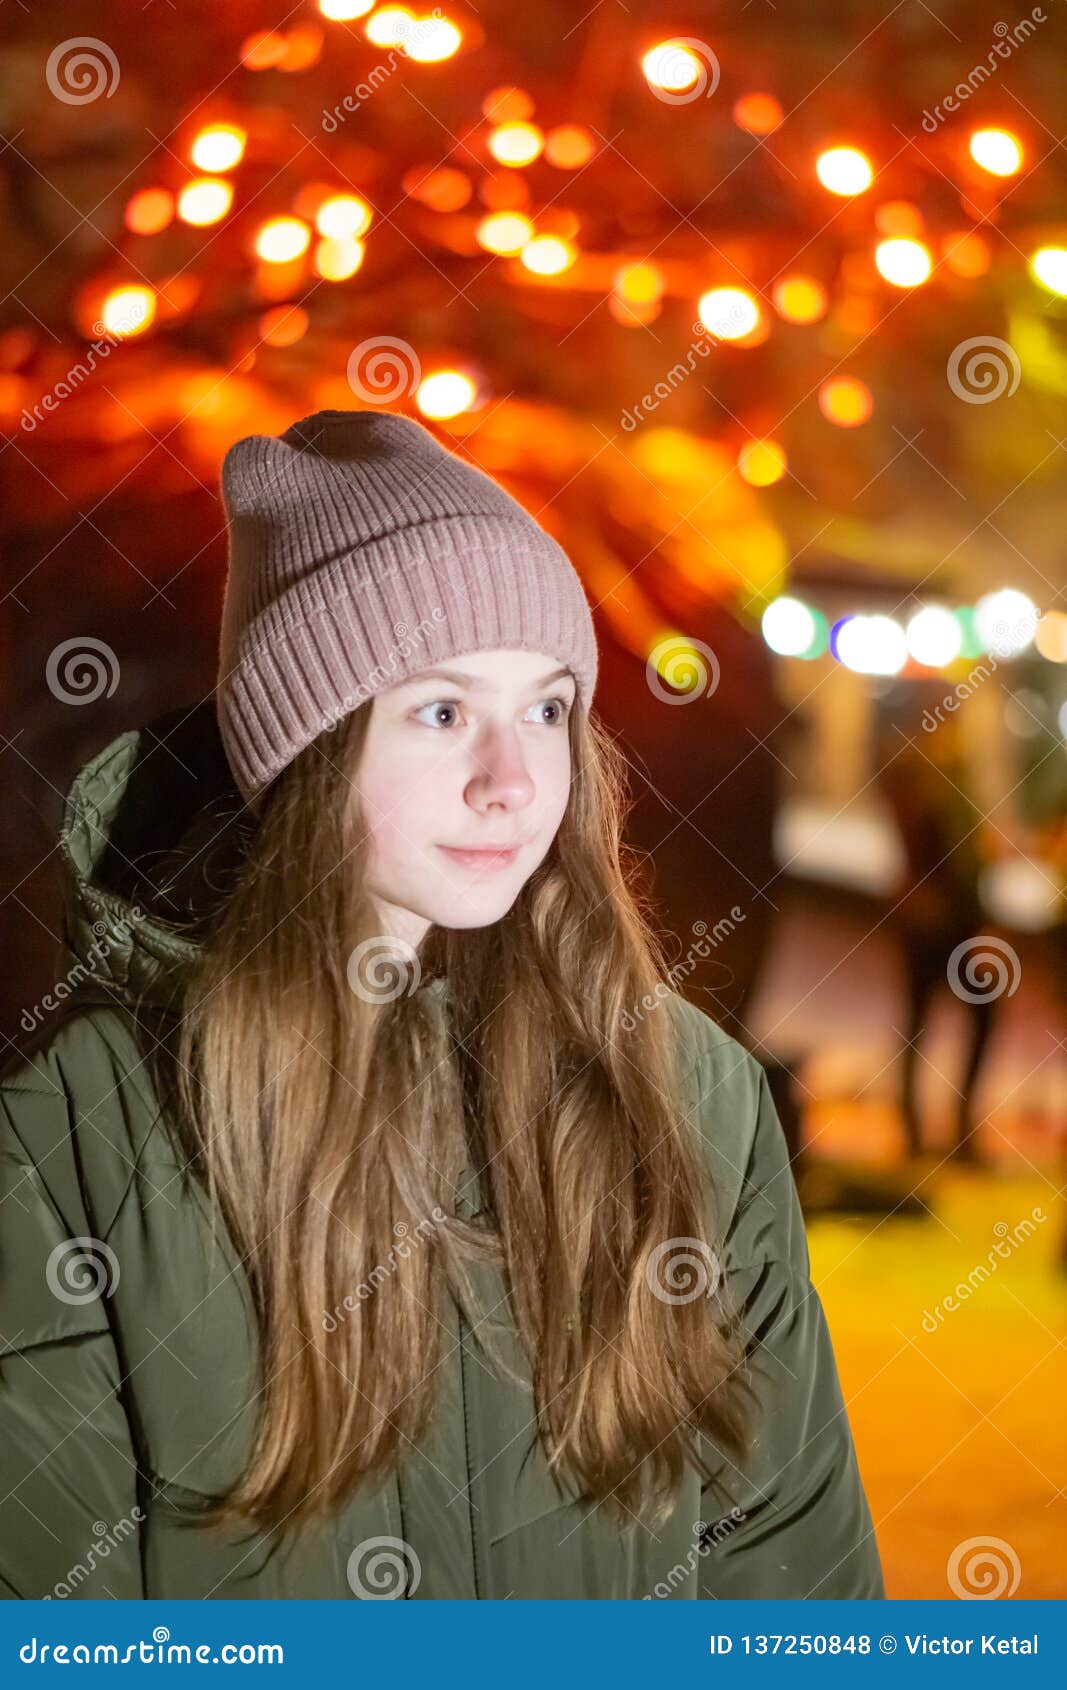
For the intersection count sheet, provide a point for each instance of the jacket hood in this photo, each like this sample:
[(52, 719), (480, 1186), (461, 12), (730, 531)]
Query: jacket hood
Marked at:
[(150, 825)]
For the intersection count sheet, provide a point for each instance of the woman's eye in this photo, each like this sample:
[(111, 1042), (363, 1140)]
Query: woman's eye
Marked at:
[(560, 706), (441, 706), (437, 705)]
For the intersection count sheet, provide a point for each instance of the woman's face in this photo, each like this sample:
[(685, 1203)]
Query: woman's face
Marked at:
[(468, 755)]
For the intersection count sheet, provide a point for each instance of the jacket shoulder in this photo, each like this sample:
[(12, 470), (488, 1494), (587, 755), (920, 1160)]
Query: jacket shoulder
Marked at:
[(81, 1111), (732, 1108)]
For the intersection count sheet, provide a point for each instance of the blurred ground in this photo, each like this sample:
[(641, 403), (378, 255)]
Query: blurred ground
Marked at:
[(958, 1413)]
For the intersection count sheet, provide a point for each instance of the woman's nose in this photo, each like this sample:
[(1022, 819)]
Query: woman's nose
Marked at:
[(501, 775)]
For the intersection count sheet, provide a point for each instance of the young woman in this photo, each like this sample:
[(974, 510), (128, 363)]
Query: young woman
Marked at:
[(377, 1222)]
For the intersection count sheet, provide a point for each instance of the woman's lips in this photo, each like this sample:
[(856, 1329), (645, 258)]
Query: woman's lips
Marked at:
[(480, 859)]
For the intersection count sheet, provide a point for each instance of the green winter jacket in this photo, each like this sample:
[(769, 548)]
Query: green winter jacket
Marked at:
[(127, 1387)]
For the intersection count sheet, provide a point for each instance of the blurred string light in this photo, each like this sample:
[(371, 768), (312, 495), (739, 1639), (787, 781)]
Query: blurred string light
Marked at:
[(799, 299), (504, 232), (218, 147), (515, 144), (758, 114), (445, 393), (996, 150), (128, 311), (844, 170), (871, 645), (204, 202), (905, 263), (1049, 267), (282, 239), (934, 636), (845, 401), (761, 462), (673, 67), (548, 255), (729, 313), (1004, 623)]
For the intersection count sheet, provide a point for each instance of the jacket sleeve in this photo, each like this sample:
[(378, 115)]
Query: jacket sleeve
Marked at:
[(795, 1521), (69, 1512)]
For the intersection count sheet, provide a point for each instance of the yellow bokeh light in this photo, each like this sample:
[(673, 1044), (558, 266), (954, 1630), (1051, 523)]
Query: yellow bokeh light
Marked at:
[(965, 253), (757, 114), (150, 211), (432, 40), (219, 147), (899, 217), (390, 26), (128, 311), (336, 260), (672, 66), (639, 284), (569, 146), (729, 313), (904, 263), (761, 462), (1049, 266), (284, 325), (343, 217), (996, 150), (342, 11), (547, 255), (445, 393), (845, 401), (844, 170), (799, 299), (263, 49), (504, 232), (204, 202), (282, 239), (515, 144), (506, 104), (1051, 636)]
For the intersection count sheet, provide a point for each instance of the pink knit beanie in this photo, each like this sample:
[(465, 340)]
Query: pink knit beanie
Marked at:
[(361, 551)]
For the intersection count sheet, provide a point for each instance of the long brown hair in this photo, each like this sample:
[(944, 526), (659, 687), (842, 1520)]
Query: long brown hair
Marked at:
[(330, 1114)]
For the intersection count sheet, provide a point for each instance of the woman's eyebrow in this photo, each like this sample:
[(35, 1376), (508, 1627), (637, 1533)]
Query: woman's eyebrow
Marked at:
[(474, 683)]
